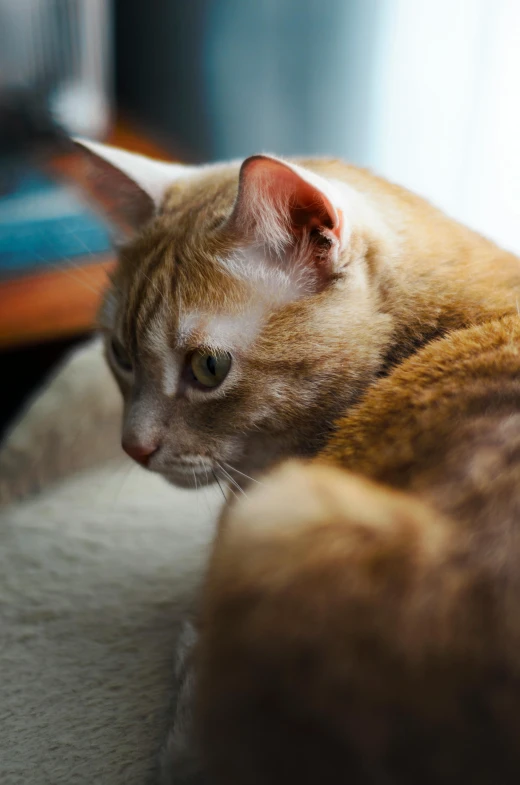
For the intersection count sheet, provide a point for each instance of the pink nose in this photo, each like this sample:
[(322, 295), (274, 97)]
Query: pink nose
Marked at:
[(139, 452)]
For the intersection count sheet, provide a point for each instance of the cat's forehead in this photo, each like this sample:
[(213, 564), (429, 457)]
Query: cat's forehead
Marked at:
[(188, 221), (178, 284), (199, 199)]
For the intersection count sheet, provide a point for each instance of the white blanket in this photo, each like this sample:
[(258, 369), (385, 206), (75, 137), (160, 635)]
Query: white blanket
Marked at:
[(97, 572)]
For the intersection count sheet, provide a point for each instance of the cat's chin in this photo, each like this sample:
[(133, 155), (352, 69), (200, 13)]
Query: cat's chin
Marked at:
[(188, 479)]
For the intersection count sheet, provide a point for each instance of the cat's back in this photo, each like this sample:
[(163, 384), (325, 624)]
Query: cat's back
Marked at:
[(446, 426)]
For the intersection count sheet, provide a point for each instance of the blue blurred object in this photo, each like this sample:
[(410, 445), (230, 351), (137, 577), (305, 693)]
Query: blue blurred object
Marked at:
[(43, 223), (230, 78)]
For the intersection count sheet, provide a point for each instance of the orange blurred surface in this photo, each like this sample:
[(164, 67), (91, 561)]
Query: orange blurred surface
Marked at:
[(52, 304)]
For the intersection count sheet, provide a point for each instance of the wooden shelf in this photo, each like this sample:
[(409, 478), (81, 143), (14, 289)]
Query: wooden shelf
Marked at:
[(53, 304)]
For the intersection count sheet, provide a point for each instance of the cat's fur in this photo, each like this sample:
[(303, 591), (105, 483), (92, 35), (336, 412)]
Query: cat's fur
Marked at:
[(354, 630), (368, 630)]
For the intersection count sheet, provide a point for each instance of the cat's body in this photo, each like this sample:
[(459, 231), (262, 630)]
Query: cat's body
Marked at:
[(368, 631), (344, 622)]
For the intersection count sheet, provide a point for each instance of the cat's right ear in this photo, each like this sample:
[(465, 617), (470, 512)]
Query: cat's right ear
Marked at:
[(126, 187), (294, 212)]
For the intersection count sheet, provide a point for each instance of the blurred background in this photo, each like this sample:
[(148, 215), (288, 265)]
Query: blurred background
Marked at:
[(425, 92)]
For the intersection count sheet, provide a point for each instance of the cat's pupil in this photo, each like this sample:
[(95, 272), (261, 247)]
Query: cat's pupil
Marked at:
[(211, 365)]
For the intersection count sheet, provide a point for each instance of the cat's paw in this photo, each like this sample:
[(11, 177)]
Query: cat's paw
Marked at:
[(325, 591)]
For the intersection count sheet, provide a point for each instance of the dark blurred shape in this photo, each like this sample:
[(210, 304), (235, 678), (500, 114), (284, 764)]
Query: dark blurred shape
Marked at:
[(27, 367), (27, 127), (29, 136), (161, 71)]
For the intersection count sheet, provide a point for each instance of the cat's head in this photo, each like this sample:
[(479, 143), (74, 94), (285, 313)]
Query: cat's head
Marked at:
[(243, 315)]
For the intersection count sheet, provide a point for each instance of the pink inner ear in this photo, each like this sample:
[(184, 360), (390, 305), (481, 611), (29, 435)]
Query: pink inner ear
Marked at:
[(280, 187)]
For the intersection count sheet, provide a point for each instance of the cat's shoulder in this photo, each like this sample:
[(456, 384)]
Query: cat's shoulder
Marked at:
[(469, 373)]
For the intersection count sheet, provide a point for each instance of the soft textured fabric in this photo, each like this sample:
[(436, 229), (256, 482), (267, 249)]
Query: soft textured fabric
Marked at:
[(97, 574), (74, 423)]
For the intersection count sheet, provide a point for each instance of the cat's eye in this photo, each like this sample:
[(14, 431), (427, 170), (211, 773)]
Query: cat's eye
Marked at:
[(210, 369), (120, 355)]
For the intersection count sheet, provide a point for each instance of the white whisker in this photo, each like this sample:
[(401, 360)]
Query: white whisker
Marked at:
[(126, 475), (230, 489), (247, 476), (206, 487), (94, 256), (82, 242), (231, 479), (218, 483), (63, 268)]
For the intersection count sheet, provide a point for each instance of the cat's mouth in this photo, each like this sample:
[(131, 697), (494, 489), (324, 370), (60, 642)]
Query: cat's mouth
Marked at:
[(190, 473), (199, 472)]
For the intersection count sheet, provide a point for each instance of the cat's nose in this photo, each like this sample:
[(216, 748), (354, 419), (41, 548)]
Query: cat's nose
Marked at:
[(140, 452)]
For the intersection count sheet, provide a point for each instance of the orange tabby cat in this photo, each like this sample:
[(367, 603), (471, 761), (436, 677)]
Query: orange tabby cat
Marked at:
[(356, 630), (259, 301)]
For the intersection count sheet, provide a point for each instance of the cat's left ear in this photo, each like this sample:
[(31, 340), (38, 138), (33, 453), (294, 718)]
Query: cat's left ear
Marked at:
[(128, 188), (291, 210)]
